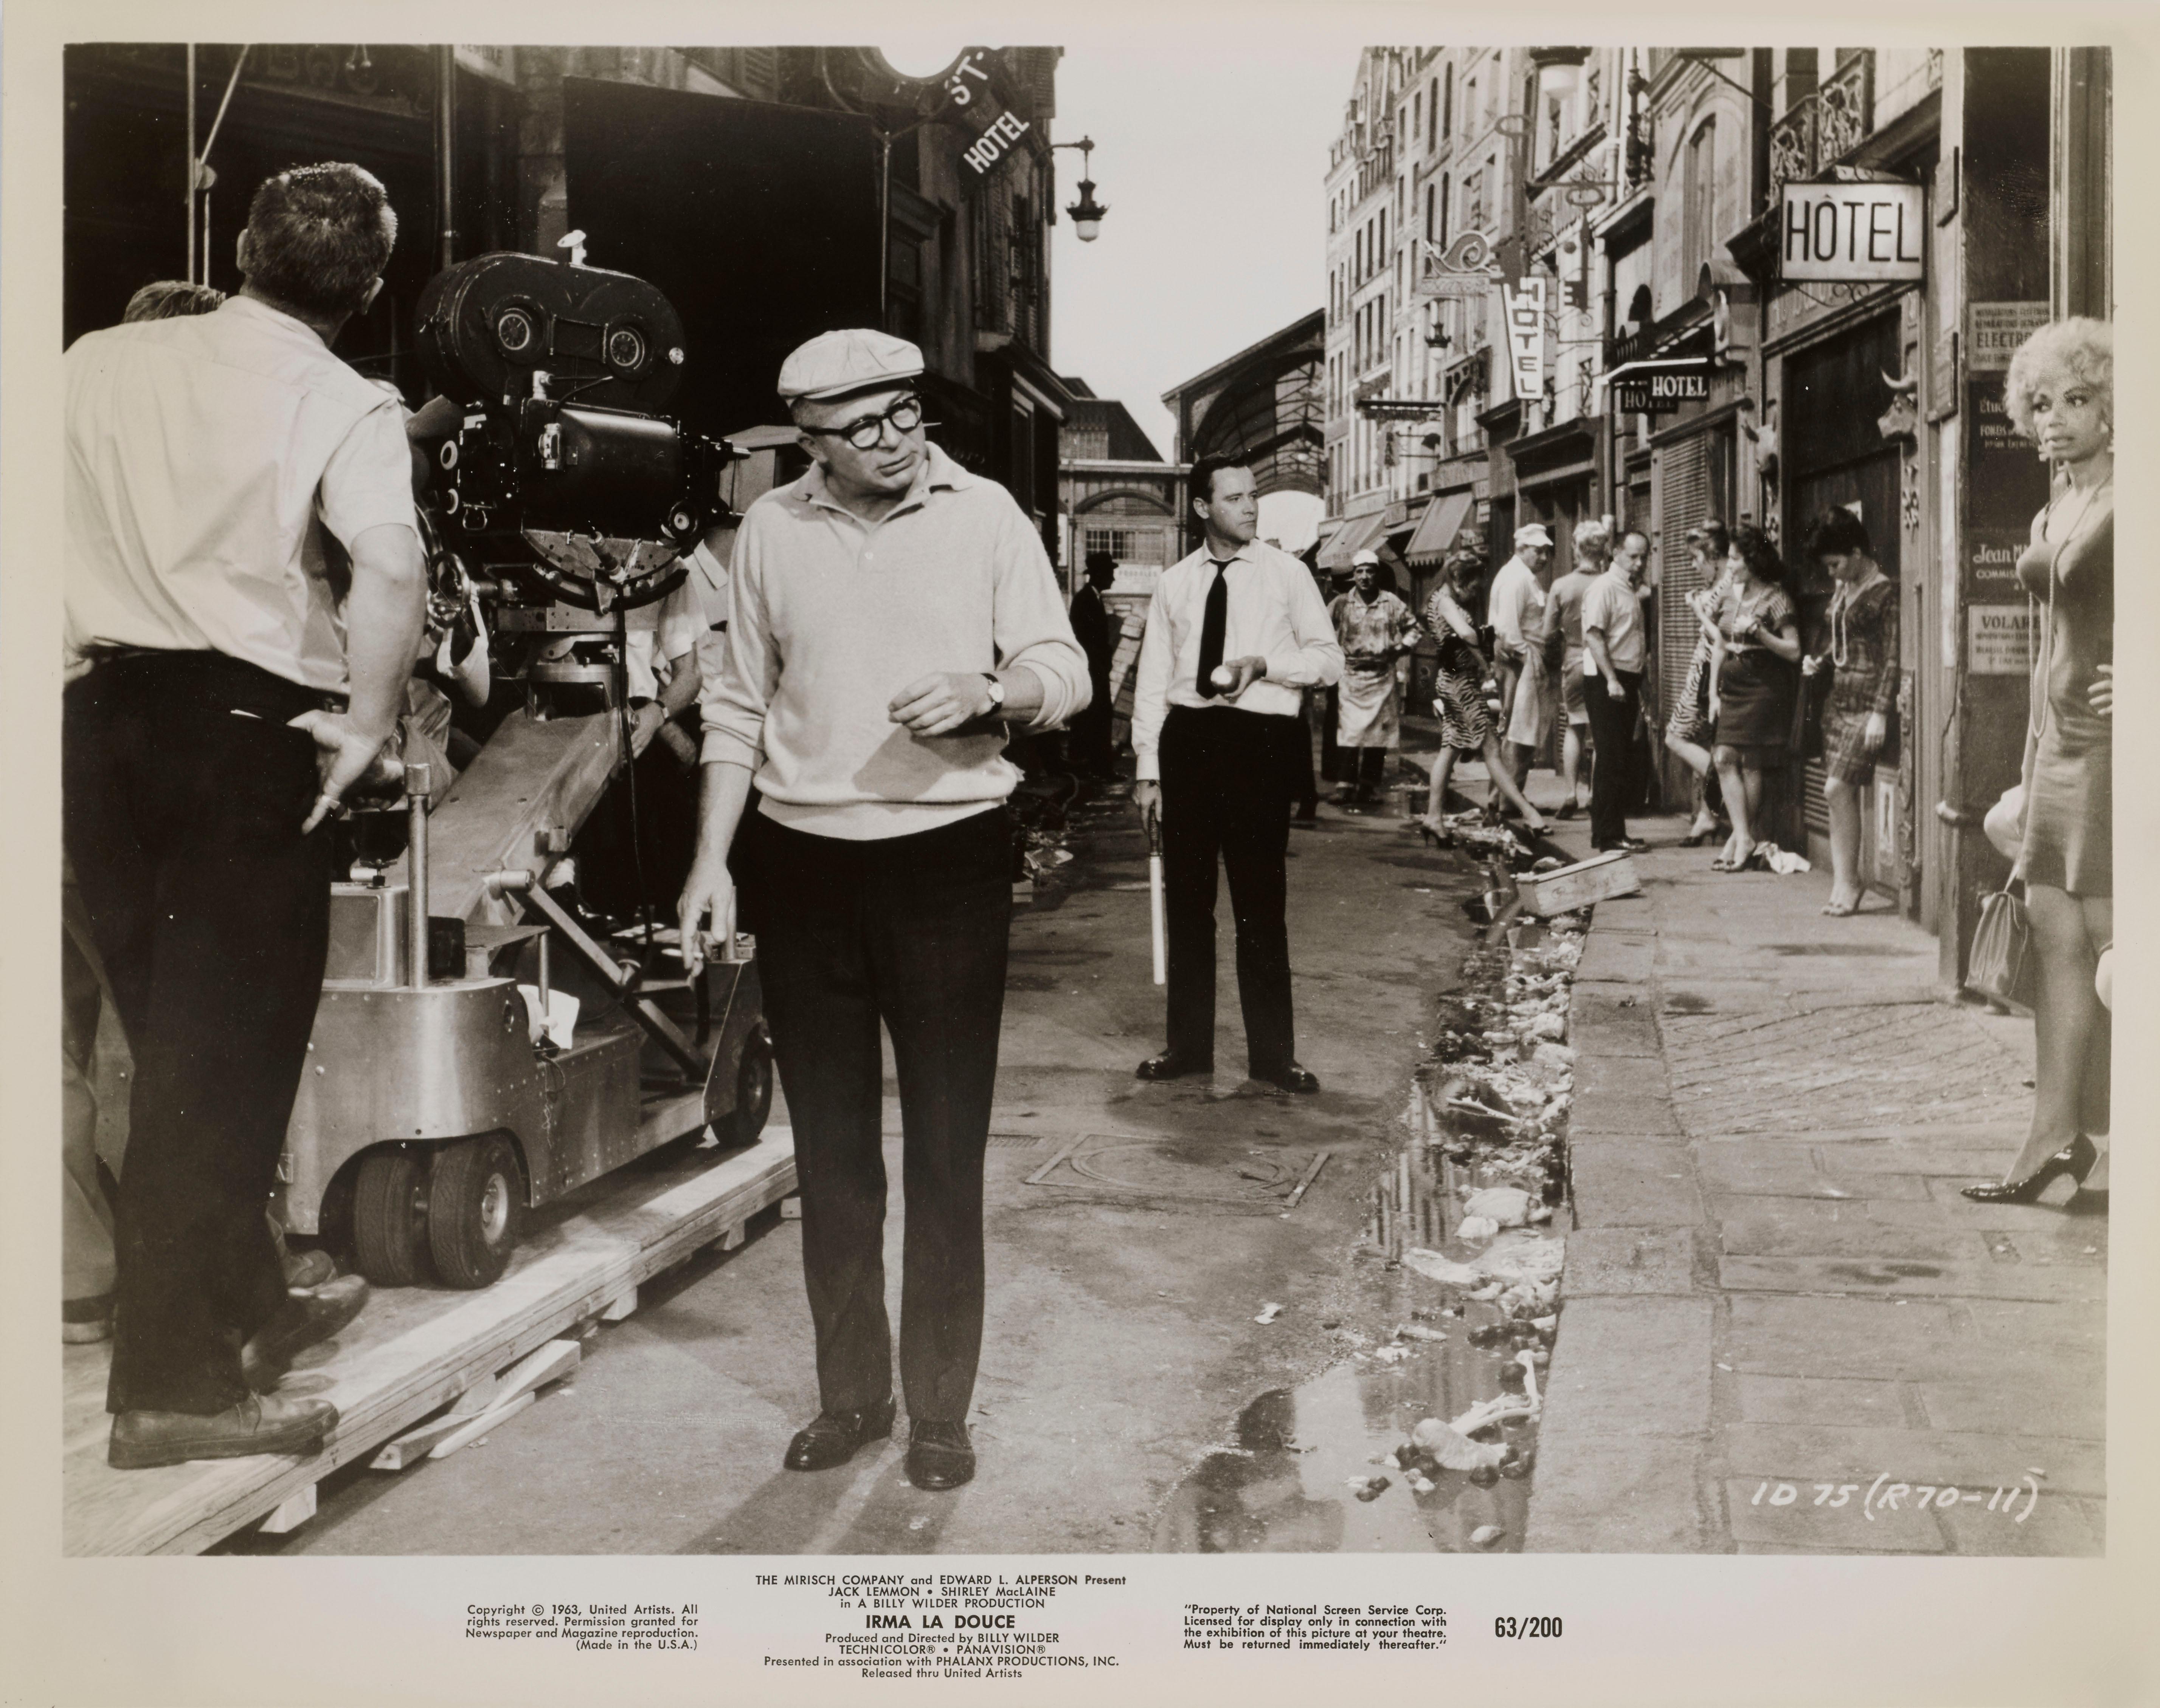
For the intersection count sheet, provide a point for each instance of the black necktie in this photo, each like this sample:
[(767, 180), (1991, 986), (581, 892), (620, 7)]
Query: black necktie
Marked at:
[(1213, 620)]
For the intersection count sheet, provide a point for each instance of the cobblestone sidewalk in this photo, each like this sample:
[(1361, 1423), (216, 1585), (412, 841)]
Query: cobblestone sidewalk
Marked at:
[(1784, 1330)]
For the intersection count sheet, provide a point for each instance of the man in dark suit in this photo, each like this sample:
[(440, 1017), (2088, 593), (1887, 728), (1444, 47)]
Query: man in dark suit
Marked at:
[(1097, 631)]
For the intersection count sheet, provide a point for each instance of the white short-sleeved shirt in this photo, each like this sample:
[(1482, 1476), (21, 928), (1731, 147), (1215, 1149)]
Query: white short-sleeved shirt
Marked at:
[(678, 622), (206, 456)]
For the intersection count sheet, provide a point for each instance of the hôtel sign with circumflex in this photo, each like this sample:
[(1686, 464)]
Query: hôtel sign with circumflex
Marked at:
[(1852, 232)]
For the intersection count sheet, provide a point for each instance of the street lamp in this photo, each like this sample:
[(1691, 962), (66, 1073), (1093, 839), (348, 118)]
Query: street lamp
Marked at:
[(1086, 213)]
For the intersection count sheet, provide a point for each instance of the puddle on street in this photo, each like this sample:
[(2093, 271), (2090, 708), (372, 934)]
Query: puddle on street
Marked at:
[(1284, 1488), (1284, 1484)]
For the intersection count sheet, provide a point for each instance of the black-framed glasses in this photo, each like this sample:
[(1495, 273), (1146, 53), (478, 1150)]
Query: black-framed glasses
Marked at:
[(905, 416)]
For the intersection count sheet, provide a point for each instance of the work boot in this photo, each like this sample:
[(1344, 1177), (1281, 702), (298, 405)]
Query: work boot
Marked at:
[(271, 1423)]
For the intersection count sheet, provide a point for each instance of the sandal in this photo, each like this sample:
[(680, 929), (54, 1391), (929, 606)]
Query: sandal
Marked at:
[(1841, 910)]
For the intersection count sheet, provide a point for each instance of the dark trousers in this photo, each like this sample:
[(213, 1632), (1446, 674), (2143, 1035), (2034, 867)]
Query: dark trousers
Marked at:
[(1612, 735), (909, 930), (1226, 789), (1330, 754), (184, 794)]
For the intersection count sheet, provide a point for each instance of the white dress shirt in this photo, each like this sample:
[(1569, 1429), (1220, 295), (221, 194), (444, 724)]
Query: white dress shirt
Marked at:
[(1275, 612), (206, 455)]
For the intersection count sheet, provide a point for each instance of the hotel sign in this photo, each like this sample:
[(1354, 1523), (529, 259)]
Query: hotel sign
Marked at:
[(1853, 233)]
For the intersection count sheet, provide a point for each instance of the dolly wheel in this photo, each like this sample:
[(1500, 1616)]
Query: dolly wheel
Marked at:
[(474, 1201), (753, 1095), (390, 1216)]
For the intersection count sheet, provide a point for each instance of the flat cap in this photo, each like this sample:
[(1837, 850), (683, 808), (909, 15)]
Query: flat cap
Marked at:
[(1531, 534), (834, 363)]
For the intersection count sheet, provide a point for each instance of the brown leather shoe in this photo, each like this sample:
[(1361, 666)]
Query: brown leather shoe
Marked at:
[(307, 1316), (259, 1424), (833, 1437), (939, 1454)]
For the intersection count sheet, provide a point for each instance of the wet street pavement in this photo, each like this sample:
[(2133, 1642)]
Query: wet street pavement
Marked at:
[(1135, 1233)]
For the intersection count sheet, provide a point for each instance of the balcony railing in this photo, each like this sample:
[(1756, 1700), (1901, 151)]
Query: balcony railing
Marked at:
[(1824, 128)]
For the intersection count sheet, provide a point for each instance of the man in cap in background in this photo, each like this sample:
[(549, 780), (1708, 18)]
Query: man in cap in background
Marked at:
[(890, 614), (1515, 611)]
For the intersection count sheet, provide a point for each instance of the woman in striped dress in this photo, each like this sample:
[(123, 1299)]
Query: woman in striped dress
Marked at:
[(1463, 704)]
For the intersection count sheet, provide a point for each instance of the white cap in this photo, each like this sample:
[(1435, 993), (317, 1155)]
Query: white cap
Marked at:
[(834, 363), (1531, 534), (1358, 560)]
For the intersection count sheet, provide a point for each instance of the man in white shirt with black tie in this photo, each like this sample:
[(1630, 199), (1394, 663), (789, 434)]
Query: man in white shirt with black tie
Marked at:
[(1236, 633)]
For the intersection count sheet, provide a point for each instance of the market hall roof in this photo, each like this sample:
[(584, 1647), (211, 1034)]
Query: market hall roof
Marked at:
[(1265, 404)]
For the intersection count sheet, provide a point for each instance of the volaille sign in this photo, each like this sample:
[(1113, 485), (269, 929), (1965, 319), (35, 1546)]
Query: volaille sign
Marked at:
[(1849, 232)]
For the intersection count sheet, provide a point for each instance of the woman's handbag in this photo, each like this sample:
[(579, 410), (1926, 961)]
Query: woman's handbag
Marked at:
[(1814, 696), (2003, 964)]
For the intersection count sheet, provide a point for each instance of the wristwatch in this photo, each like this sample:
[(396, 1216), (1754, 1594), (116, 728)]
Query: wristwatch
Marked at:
[(997, 693)]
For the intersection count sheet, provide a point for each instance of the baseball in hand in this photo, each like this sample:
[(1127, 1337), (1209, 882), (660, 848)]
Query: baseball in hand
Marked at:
[(1223, 676)]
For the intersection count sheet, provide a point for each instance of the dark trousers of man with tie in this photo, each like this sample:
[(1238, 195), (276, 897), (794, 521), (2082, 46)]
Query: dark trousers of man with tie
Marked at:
[(1225, 791)]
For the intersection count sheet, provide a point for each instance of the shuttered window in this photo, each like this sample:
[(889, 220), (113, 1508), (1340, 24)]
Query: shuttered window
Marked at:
[(1684, 477)]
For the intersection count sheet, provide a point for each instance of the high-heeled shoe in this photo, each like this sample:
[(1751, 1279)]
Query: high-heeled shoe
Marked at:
[(2075, 1159)]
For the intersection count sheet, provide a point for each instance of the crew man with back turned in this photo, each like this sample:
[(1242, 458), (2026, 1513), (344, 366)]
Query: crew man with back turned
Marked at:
[(891, 611), (226, 688), (1235, 634)]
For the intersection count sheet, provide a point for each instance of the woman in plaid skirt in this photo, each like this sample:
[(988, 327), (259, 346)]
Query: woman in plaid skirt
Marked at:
[(1863, 656)]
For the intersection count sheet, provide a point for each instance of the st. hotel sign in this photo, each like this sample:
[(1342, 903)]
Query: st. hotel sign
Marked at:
[(1852, 233)]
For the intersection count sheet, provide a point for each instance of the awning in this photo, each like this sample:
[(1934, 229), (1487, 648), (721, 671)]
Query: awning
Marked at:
[(1443, 520), (1358, 533)]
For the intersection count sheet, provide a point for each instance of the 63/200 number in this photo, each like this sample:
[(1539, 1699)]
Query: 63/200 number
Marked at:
[(1537, 1625)]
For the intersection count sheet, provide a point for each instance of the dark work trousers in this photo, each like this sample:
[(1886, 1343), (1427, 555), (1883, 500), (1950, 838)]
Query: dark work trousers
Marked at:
[(1226, 790), (183, 795), (909, 930), (1612, 735)]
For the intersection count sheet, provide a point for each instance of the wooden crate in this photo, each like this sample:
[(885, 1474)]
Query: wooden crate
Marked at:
[(1596, 879)]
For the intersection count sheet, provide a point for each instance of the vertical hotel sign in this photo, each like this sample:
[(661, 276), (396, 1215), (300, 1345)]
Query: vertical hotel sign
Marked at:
[(1525, 305)]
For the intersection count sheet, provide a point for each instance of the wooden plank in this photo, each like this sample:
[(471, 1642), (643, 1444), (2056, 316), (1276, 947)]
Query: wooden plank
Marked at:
[(1597, 879), (1312, 1174), (411, 1352), (291, 1512), (472, 1431), (533, 1372)]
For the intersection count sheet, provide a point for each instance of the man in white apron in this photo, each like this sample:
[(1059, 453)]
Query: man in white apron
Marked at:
[(1374, 629)]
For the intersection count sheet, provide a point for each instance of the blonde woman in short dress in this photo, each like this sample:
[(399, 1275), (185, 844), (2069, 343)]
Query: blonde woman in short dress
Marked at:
[(2061, 395)]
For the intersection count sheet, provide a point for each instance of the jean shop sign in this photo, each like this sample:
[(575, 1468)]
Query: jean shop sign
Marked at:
[(1853, 233)]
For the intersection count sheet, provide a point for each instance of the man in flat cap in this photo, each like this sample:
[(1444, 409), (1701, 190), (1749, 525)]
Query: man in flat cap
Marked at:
[(891, 613), (1515, 611)]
